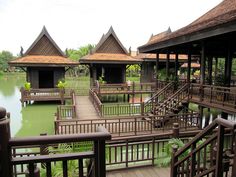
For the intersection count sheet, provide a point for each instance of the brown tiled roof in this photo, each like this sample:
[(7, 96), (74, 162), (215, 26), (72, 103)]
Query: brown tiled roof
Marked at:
[(221, 14), (159, 36), (193, 65), (42, 60), (109, 50), (108, 58), (161, 56)]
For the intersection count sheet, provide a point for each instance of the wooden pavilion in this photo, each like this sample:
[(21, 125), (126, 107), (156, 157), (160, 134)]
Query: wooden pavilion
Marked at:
[(212, 36), (167, 61), (44, 62), (109, 59)]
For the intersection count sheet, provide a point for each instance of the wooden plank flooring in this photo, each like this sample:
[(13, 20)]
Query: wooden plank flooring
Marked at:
[(140, 172), (85, 108)]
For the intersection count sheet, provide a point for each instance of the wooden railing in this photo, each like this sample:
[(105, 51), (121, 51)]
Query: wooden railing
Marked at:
[(129, 126), (206, 154), (67, 111), (96, 102), (10, 162), (50, 94), (130, 88), (158, 97), (173, 101), (137, 152), (223, 96)]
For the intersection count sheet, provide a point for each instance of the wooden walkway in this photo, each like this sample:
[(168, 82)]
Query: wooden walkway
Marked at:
[(140, 172), (85, 108)]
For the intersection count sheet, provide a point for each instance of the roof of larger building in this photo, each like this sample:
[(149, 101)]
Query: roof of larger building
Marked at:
[(223, 13), (43, 51), (109, 50)]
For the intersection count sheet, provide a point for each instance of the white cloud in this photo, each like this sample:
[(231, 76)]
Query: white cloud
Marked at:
[(73, 23)]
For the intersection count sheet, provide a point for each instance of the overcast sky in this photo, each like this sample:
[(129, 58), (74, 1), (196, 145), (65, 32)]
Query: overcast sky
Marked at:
[(73, 23)]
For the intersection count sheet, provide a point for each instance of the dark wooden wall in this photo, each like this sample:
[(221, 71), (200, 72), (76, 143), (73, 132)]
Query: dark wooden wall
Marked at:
[(33, 74), (147, 72), (113, 73)]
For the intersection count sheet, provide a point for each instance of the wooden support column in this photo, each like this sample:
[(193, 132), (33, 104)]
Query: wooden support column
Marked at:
[(203, 64), (157, 69), (167, 66), (189, 67), (216, 67), (176, 65), (228, 66), (210, 58)]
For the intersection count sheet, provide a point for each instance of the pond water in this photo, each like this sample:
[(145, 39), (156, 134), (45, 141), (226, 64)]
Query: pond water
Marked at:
[(24, 121)]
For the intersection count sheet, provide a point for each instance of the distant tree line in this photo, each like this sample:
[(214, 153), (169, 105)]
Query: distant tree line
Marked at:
[(5, 57), (76, 54)]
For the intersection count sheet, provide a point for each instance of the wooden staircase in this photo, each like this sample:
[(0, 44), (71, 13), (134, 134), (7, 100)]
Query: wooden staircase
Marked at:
[(159, 97), (210, 153), (173, 104)]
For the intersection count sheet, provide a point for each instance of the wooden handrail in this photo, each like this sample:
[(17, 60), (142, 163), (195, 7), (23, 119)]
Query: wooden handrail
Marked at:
[(172, 97), (209, 128), (168, 86), (217, 137)]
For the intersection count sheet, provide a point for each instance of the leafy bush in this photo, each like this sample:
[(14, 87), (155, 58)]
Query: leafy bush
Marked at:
[(165, 159), (27, 86), (61, 84)]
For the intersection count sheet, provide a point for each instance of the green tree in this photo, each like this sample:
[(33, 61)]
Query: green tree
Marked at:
[(5, 57), (76, 55)]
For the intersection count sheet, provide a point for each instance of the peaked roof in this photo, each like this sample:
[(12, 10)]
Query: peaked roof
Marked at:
[(222, 14), (104, 40), (39, 49), (43, 52), (109, 50)]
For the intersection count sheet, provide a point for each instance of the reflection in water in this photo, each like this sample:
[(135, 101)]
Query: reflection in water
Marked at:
[(31, 120)]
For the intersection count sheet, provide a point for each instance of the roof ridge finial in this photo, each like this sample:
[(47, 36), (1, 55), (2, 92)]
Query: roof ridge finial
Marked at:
[(111, 29), (21, 51), (169, 30)]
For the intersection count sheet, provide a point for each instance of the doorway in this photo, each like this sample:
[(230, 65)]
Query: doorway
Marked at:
[(46, 79)]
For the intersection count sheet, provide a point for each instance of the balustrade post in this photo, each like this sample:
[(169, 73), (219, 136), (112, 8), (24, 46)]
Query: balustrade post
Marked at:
[(175, 130), (193, 161), (234, 164), (43, 150), (142, 109), (219, 155), (100, 158), (5, 152), (32, 168), (174, 159)]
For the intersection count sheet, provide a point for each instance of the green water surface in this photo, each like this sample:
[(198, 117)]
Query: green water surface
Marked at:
[(25, 121)]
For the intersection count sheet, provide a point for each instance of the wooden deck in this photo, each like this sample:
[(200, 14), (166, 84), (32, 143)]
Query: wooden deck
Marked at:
[(140, 172)]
